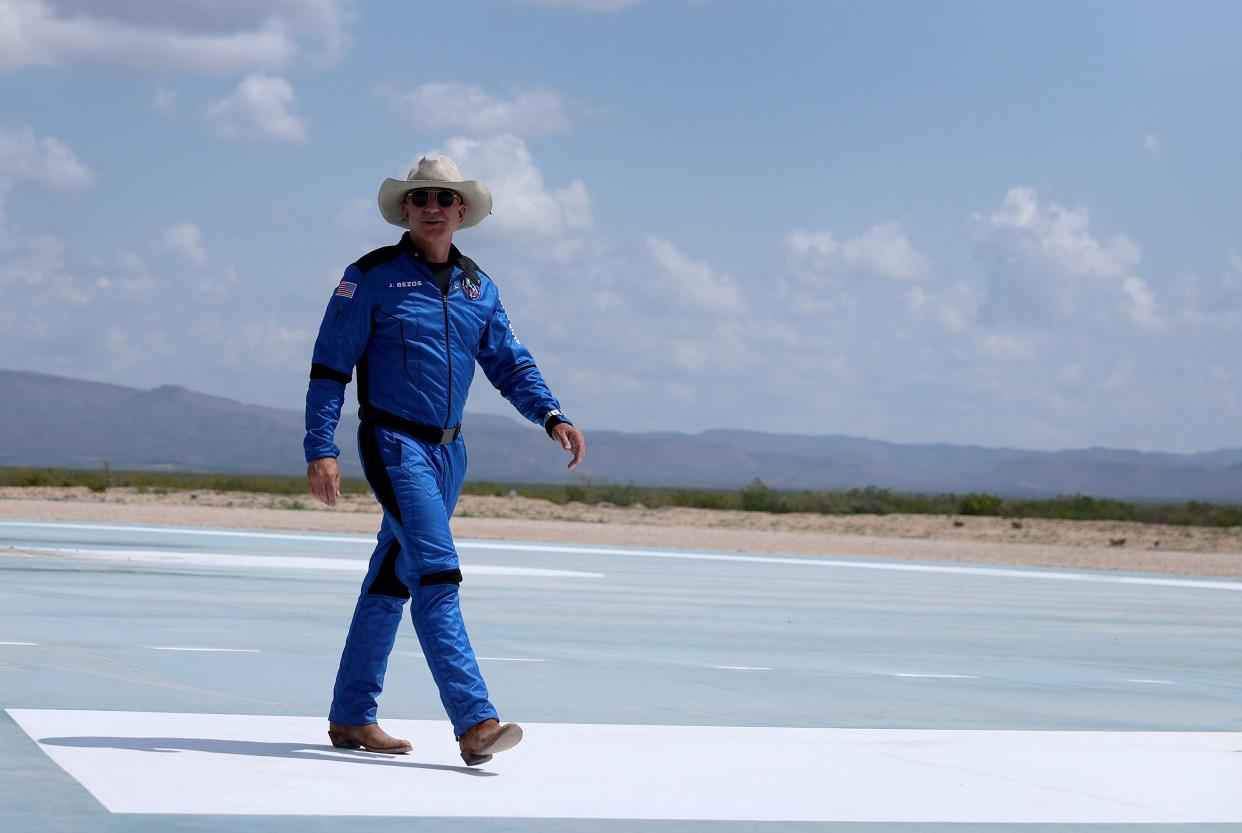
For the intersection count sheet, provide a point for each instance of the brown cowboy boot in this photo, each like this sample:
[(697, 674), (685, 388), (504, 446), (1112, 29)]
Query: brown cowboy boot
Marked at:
[(483, 739), (368, 736)]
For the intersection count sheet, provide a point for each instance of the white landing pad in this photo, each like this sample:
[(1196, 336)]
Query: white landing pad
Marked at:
[(144, 762)]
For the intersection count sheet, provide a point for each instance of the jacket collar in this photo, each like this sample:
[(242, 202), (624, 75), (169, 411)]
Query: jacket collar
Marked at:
[(407, 246), (455, 258)]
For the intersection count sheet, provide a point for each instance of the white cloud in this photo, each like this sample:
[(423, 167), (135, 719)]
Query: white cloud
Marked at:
[(34, 268), (523, 205), (270, 339), (695, 284), (132, 276), (185, 240), (36, 36), (1064, 235), (1142, 305), (47, 161), (200, 36), (804, 243), (1151, 144), (468, 108), (1212, 303), (260, 108), (40, 290), (952, 309), (1046, 265), (882, 251)]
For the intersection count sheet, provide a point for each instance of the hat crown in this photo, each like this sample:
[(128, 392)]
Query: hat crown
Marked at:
[(439, 169)]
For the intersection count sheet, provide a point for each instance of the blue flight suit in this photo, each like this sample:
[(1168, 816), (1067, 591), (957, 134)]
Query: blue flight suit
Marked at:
[(415, 347)]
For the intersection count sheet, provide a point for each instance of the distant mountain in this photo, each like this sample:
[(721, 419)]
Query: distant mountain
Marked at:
[(56, 421)]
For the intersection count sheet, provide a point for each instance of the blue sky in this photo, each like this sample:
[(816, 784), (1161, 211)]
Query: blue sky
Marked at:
[(975, 223)]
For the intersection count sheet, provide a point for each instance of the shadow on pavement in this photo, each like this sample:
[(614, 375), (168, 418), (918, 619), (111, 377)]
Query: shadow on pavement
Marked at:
[(256, 748)]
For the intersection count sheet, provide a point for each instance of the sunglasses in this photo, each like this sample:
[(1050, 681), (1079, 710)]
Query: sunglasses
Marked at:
[(422, 196)]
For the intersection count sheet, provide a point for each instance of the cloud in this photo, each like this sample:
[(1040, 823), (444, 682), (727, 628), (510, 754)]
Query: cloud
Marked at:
[(195, 36), (1151, 144), (882, 251), (185, 240), (594, 6), (952, 308), (523, 205), (260, 108), (41, 267), (36, 36), (47, 161), (1063, 236), (266, 340), (36, 265), (1213, 303), (468, 108), (1142, 306), (1046, 266), (804, 243), (693, 283)]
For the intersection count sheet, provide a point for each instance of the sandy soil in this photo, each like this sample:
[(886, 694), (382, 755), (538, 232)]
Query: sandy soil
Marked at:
[(1104, 545)]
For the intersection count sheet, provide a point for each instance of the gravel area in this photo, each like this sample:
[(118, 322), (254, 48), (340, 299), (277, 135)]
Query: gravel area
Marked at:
[(1104, 545)]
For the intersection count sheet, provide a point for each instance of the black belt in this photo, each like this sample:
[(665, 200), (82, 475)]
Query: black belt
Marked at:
[(426, 433)]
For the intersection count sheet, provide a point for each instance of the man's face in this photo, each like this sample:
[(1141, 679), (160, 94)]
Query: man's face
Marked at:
[(432, 225)]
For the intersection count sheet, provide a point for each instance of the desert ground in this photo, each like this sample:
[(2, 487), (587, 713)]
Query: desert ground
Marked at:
[(1099, 545)]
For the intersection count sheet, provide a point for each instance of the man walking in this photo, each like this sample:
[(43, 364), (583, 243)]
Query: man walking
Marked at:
[(414, 318)]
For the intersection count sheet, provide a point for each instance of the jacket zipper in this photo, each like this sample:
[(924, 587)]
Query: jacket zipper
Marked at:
[(448, 353)]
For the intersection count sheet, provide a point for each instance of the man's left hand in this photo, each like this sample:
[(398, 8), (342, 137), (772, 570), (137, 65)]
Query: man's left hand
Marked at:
[(571, 439)]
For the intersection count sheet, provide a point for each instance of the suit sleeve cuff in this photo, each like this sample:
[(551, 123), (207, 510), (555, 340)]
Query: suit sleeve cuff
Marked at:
[(554, 418)]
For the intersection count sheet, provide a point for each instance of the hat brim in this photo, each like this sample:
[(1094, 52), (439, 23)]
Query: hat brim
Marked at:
[(477, 197)]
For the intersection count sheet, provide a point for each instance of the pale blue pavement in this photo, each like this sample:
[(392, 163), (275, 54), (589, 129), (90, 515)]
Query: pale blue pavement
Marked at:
[(767, 642)]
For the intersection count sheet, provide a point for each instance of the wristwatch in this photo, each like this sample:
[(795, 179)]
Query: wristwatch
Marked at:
[(552, 419)]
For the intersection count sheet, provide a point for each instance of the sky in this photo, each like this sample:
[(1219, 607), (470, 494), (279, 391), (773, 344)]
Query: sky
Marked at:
[(998, 224)]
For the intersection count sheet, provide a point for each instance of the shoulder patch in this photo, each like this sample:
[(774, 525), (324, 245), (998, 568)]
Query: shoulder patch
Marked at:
[(380, 256), (471, 283)]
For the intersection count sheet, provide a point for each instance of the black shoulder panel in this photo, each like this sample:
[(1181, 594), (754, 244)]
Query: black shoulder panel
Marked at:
[(372, 259), (468, 266)]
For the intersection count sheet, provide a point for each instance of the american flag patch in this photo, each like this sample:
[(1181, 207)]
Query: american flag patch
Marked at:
[(346, 289)]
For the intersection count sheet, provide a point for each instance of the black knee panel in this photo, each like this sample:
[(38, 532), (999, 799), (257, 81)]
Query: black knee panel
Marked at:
[(442, 577)]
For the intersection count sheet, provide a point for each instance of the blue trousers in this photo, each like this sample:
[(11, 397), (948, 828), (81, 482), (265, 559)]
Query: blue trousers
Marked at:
[(417, 485)]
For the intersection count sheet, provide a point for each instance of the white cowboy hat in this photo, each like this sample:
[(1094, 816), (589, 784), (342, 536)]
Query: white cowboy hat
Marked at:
[(440, 172)]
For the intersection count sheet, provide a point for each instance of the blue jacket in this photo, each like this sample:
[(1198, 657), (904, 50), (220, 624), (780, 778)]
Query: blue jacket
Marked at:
[(414, 348)]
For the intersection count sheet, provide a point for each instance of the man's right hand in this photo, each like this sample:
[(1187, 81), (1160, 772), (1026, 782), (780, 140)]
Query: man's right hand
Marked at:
[(323, 479)]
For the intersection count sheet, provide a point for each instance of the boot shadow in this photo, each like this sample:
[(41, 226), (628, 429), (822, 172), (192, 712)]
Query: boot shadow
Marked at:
[(256, 748)]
